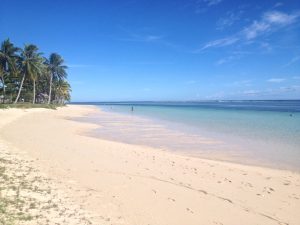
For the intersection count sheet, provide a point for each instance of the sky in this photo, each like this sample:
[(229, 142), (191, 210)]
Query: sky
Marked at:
[(159, 50)]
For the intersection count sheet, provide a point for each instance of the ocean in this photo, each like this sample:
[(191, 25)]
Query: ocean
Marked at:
[(263, 133)]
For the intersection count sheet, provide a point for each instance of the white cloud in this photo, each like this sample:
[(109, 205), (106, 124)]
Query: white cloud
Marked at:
[(212, 2), (296, 77), (292, 61), (276, 17), (283, 92), (228, 20), (293, 88), (276, 80), (152, 38), (203, 5), (278, 4), (269, 22), (273, 92), (251, 92), (266, 46), (141, 35), (142, 38), (220, 42), (255, 29), (225, 60), (234, 56)]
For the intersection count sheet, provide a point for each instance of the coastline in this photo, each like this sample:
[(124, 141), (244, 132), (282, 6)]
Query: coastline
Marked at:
[(191, 140), (129, 184)]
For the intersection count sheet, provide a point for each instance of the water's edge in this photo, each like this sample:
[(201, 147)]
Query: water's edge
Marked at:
[(133, 128)]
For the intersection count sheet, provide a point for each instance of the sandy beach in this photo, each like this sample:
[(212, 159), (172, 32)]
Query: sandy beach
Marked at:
[(105, 182)]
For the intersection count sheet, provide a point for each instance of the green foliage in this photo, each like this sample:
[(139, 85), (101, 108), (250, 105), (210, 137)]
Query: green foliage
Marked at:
[(26, 76), (30, 105)]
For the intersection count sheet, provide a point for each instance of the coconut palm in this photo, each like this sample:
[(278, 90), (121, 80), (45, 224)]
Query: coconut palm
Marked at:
[(7, 61), (30, 65), (23, 72), (62, 91), (36, 73), (57, 71)]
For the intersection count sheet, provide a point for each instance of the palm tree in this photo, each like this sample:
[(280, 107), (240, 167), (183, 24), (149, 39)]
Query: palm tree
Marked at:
[(7, 62), (36, 73), (30, 65), (23, 71), (62, 91), (57, 71)]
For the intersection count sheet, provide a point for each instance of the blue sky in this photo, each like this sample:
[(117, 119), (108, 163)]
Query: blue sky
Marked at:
[(165, 50)]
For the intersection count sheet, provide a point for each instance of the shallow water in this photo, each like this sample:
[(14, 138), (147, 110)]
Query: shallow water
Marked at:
[(266, 134)]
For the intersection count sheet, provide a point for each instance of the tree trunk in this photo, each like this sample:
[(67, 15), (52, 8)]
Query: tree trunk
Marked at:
[(50, 90), (4, 92), (33, 101), (3, 83), (20, 89)]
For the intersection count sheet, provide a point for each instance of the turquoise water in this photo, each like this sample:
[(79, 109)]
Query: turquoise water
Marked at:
[(261, 132)]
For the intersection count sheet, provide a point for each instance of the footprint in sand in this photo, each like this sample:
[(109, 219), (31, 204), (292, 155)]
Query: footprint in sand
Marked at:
[(189, 210), (218, 223), (294, 196), (172, 199), (227, 180), (247, 184), (268, 190)]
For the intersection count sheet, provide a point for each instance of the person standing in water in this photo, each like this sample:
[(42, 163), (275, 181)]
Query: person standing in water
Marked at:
[(131, 108)]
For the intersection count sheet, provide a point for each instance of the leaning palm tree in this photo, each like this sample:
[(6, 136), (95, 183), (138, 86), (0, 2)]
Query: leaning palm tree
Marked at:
[(29, 65), (7, 63), (57, 71)]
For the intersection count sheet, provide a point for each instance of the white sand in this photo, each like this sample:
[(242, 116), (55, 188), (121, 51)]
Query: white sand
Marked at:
[(128, 184)]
